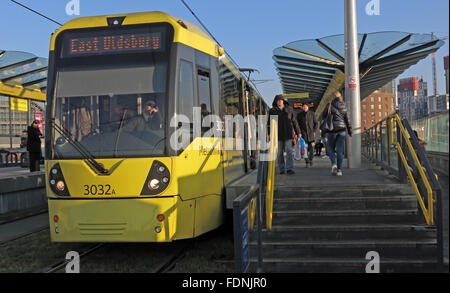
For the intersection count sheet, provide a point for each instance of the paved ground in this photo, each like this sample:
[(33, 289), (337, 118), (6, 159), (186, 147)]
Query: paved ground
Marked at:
[(11, 172), (320, 174)]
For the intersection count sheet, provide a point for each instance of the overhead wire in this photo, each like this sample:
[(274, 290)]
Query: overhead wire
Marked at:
[(214, 38), (38, 13)]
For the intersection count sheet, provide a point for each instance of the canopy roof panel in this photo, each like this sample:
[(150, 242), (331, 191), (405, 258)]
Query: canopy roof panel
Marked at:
[(23, 69), (311, 65)]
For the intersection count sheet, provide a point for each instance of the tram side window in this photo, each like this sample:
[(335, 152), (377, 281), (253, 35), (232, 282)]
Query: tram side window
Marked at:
[(186, 89), (229, 93), (204, 92)]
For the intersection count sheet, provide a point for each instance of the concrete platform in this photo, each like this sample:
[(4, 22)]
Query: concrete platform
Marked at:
[(320, 174), (12, 172), (21, 189)]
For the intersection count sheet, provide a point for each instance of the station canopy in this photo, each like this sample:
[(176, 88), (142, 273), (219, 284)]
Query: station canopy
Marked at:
[(23, 74), (316, 66)]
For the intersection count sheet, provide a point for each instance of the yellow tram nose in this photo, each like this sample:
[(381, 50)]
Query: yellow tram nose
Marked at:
[(125, 220)]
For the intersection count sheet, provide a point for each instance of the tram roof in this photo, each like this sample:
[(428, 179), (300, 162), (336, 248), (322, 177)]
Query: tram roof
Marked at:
[(316, 66), (23, 75)]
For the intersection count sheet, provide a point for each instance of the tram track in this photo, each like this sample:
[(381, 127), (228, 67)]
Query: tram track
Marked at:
[(57, 266), (24, 216), (167, 265), (28, 232), (23, 235)]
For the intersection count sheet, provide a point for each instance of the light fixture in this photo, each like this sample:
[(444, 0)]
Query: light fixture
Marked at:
[(153, 184), (60, 185)]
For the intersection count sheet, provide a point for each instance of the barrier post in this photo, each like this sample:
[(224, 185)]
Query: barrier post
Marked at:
[(401, 169)]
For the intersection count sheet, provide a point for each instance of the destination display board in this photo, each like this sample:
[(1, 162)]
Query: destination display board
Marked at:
[(100, 43)]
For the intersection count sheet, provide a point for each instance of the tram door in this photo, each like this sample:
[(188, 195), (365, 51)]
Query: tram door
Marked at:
[(251, 128), (247, 129)]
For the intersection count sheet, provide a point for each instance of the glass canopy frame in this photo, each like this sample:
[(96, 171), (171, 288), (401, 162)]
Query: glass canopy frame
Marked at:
[(309, 65)]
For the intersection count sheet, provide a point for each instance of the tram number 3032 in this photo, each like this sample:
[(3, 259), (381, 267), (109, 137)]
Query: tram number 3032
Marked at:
[(99, 189)]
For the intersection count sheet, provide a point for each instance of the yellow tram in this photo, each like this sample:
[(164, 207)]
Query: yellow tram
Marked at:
[(114, 83)]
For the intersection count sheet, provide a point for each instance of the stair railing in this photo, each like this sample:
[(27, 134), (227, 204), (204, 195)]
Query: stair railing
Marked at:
[(392, 144), (273, 150), (250, 205)]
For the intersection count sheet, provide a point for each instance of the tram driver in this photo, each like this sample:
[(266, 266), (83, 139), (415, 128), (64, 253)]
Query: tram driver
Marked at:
[(149, 120), (152, 116)]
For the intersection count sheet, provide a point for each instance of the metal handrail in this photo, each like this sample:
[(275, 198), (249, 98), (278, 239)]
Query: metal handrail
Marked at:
[(252, 203), (241, 229), (427, 213), (433, 190), (271, 173)]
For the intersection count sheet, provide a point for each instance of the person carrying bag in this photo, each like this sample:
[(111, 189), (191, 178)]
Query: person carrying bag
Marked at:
[(337, 125), (327, 123), (303, 148)]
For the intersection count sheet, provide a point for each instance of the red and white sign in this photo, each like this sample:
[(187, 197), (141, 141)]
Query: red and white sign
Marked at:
[(352, 81), (38, 117)]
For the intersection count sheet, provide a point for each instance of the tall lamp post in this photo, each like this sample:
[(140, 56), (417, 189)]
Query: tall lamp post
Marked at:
[(352, 86)]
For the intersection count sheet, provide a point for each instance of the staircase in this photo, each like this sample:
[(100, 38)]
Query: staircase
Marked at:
[(329, 229)]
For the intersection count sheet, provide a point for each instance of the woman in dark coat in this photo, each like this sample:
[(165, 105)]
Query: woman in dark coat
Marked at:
[(34, 146), (336, 138)]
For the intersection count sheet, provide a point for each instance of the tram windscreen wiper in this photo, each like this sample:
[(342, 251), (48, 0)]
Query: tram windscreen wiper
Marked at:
[(79, 147)]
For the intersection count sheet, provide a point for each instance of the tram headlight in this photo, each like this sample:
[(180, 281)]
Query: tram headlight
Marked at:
[(157, 180), (60, 185), (57, 183), (153, 184)]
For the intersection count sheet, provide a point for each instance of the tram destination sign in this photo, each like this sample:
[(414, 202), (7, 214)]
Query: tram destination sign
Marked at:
[(81, 45)]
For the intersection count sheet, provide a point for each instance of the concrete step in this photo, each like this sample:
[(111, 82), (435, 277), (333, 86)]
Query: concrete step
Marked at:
[(326, 265), (319, 217), (346, 203), (398, 249), (347, 232), (347, 191)]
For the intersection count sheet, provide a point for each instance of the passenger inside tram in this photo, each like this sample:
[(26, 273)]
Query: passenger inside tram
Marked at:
[(113, 125)]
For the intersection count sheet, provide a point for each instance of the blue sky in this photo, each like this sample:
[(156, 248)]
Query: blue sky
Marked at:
[(248, 29)]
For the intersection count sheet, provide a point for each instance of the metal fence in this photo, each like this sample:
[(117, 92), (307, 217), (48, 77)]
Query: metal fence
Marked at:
[(252, 210), (434, 131), (13, 158), (392, 144)]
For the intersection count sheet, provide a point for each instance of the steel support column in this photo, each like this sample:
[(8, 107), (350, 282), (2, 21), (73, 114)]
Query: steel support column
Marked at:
[(352, 84)]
